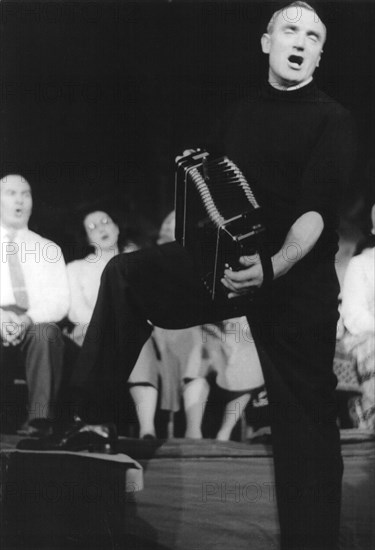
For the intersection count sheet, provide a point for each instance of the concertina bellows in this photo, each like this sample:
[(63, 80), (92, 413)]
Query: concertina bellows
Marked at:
[(218, 219)]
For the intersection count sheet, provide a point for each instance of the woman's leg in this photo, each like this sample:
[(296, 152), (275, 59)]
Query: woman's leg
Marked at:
[(195, 398), (145, 398), (232, 413)]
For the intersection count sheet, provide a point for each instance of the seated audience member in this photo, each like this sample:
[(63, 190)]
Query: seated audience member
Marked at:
[(187, 358), (34, 295), (102, 235), (358, 315)]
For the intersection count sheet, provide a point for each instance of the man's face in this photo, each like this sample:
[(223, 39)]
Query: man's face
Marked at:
[(294, 46), (15, 202)]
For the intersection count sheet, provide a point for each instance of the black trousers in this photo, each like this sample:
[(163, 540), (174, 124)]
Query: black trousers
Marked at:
[(160, 285)]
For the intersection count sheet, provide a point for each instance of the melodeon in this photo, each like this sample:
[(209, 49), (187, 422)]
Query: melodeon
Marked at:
[(217, 218)]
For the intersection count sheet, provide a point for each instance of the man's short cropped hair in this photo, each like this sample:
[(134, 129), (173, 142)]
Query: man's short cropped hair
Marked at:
[(297, 4)]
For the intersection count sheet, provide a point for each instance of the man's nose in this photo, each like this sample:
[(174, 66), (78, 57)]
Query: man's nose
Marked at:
[(299, 42)]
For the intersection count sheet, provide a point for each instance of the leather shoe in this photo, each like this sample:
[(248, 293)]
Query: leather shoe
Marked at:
[(39, 427), (79, 436)]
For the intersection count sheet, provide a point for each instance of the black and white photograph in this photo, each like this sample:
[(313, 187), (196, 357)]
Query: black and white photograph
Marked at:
[(187, 275)]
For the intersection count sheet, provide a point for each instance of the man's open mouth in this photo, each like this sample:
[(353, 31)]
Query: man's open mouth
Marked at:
[(296, 60)]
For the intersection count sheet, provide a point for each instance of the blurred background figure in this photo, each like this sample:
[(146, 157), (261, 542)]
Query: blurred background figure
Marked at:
[(150, 374), (34, 295), (358, 316)]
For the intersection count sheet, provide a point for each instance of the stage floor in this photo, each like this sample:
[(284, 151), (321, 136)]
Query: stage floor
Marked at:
[(205, 495)]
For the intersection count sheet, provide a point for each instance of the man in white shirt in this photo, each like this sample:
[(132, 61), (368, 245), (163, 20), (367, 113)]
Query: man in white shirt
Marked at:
[(34, 294)]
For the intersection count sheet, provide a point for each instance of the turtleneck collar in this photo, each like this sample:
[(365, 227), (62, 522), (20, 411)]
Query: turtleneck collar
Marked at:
[(306, 92)]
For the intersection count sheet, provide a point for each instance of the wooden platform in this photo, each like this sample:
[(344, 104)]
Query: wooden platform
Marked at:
[(198, 495), (63, 500)]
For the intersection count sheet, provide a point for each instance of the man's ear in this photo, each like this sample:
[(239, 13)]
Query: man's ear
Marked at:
[(373, 219), (265, 42), (319, 58)]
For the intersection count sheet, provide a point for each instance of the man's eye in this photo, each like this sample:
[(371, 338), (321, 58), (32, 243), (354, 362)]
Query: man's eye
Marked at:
[(105, 220), (91, 226)]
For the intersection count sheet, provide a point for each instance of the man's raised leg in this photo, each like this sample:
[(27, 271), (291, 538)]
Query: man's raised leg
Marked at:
[(155, 286)]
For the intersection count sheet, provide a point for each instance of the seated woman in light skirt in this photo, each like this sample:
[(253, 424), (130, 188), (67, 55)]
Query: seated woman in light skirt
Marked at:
[(186, 358)]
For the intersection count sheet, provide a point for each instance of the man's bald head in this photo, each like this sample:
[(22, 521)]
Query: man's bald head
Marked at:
[(292, 12)]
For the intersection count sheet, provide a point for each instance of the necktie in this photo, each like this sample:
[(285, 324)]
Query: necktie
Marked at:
[(16, 276)]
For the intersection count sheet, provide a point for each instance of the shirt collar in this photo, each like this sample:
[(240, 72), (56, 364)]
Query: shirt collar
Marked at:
[(18, 233)]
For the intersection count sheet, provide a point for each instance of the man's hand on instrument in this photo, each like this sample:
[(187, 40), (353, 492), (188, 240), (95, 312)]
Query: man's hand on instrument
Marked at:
[(240, 282)]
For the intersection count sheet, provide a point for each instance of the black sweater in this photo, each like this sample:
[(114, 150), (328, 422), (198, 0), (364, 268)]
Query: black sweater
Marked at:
[(297, 150)]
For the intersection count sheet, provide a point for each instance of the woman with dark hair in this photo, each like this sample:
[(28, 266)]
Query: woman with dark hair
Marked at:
[(103, 241), (358, 315)]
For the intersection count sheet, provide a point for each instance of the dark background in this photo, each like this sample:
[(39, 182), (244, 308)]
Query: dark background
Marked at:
[(98, 98)]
